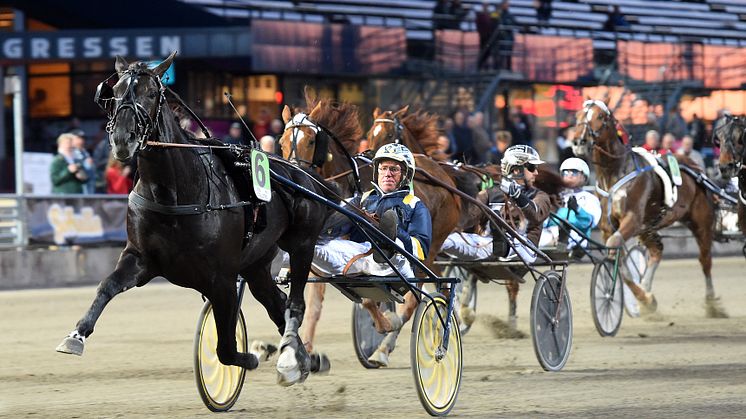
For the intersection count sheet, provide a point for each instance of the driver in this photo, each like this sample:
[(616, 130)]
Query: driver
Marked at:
[(582, 208), (403, 218), (527, 209)]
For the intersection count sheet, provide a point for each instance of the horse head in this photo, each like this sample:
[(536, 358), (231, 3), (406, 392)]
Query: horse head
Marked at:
[(387, 128), (728, 132), (594, 126), (309, 136), (133, 99)]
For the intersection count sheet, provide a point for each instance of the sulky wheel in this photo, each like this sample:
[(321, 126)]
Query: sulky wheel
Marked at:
[(365, 338), (607, 298), (437, 371), (219, 385), (466, 296), (551, 331)]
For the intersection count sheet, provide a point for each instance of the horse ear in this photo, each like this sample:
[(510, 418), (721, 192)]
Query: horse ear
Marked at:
[(121, 65), (163, 66), (607, 99), (403, 111), (318, 106), (310, 100), (286, 115)]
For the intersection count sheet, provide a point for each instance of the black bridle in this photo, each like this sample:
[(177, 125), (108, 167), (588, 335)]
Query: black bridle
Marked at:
[(320, 148), (146, 123)]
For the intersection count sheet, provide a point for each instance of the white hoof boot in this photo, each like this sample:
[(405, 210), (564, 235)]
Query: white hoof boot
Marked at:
[(288, 370), (73, 344), (379, 358), (262, 350)]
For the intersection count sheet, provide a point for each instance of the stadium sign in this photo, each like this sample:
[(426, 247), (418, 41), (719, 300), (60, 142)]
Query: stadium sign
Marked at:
[(28, 47)]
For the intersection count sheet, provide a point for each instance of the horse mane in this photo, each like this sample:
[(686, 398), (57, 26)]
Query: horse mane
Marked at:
[(424, 129), (340, 118)]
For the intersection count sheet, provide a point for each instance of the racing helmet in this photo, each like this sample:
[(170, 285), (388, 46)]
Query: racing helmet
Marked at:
[(574, 163), (519, 155), (398, 153)]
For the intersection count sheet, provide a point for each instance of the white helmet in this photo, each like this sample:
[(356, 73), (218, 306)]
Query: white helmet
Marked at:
[(399, 153), (519, 155), (574, 163)]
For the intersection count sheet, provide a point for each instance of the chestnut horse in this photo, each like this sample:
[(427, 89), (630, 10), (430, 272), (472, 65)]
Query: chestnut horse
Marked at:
[(635, 207), (729, 133)]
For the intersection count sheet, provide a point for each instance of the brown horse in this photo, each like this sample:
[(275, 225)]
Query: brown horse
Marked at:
[(635, 203), (729, 133)]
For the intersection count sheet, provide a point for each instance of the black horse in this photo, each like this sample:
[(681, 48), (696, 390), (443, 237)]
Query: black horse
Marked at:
[(177, 229)]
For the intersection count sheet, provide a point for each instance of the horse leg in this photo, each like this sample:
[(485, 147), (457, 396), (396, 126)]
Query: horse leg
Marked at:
[(224, 299), (264, 290), (627, 227), (314, 301), (701, 227), (653, 242), (512, 287), (130, 272), (294, 363)]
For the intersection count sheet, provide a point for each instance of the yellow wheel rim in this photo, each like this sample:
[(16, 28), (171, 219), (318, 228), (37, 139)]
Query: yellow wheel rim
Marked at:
[(438, 379), (220, 383)]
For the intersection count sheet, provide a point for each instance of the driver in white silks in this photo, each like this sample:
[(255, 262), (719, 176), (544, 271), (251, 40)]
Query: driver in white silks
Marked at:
[(526, 210), (582, 209)]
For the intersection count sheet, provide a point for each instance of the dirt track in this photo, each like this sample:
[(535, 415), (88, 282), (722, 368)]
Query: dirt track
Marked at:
[(139, 360)]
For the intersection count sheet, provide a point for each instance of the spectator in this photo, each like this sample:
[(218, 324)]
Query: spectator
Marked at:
[(448, 132), (118, 179), (615, 20), (235, 135), (675, 124), (463, 135), (519, 129), (276, 128), (652, 141), (668, 144), (457, 14), (697, 131), (441, 153), (505, 37), (481, 143), (441, 15), (67, 176), (543, 10), (503, 140), (486, 24), (687, 149), (100, 161), (564, 145), (83, 158), (267, 144)]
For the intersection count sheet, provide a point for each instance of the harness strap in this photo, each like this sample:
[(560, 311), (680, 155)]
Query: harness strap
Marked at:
[(192, 209)]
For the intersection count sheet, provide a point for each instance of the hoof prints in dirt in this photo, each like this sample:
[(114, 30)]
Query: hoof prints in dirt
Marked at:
[(499, 328)]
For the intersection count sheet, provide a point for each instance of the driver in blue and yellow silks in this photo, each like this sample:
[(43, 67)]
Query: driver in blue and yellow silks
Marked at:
[(403, 218)]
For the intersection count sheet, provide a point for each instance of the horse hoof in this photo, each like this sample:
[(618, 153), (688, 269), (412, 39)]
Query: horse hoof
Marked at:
[(288, 370), (320, 363), (715, 310), (262, 350), (71, 345), (468, 315), (650, 304), (379, 359)]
